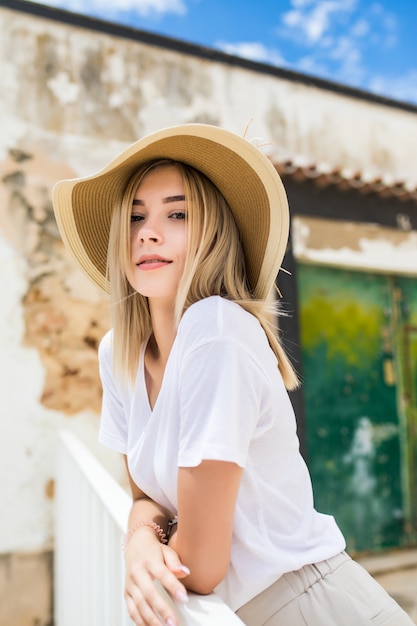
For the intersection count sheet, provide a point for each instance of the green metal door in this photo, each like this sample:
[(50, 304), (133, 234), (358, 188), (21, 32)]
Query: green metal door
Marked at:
[(405, 295), (357, 433)]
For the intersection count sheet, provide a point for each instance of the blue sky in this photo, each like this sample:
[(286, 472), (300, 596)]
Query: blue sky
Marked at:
[(371, 45)]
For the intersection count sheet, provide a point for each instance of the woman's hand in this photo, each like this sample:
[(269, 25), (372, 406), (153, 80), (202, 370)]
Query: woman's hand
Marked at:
[(147, 561)]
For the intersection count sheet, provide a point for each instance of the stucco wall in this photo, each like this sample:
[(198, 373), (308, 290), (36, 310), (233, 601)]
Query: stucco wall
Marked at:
[(88, 87), (71, 100), (356, 246)]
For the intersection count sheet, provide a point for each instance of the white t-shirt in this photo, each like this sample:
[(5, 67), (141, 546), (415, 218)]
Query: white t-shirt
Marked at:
[(223, 398)]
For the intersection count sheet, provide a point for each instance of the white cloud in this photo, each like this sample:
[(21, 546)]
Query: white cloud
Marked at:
[(348, 57), (311, 20), (346, 60), (252, 50), (360, 28), (334, 38), (110, 8), (386, 22), (310, 23), (301, 3), (403, 88), (346, 51), (311, 65)]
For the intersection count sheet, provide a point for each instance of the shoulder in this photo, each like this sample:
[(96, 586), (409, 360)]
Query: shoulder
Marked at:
[(105, 349), (216, 318)]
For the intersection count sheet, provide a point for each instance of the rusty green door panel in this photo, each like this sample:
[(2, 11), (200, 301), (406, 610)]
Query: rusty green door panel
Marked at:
[(352, 425), (405, 293)]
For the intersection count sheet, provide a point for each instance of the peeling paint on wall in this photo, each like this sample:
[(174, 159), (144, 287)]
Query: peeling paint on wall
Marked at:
[(360, 246), (104, 87), (66, 332)]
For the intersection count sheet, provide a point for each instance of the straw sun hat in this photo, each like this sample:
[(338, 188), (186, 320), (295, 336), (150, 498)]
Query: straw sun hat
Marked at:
[(242, 173)]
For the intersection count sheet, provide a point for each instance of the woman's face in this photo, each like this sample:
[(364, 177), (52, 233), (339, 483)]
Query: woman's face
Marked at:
[(158, 235)]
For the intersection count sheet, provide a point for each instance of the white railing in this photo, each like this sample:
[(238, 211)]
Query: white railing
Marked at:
[(91, 516)]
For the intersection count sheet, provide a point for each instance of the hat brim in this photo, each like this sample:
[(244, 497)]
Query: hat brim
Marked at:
[(242, 173)]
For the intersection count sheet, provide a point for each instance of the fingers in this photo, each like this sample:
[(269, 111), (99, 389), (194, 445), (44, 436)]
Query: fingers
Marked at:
[(169, 581), (147, 604), (142, 615), (174, 564), (150, 610)]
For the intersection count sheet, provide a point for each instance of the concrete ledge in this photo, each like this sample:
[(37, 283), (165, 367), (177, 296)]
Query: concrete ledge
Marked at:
[(392, 561), (26, 589)]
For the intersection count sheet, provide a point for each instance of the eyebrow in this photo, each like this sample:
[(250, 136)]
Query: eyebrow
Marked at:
[(165, 200)]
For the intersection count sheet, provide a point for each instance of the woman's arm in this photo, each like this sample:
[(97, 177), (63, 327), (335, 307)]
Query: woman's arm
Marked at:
[(145, 509), (147, 560), (206, 504)]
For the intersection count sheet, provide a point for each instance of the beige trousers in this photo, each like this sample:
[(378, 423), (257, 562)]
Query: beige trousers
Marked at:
[(336, 592)]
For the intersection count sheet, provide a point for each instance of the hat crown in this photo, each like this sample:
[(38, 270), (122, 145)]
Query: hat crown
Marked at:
[(242, 173)]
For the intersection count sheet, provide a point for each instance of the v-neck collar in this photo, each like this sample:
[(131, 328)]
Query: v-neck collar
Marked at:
[(141, 373)]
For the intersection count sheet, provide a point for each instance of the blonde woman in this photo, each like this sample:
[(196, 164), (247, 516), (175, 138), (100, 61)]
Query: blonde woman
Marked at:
[(187, 230)]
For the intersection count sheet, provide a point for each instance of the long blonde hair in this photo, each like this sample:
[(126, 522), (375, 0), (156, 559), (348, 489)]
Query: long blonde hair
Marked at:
[(214, 265)]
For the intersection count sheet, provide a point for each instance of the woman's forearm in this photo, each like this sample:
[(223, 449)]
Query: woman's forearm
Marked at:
[(145, 511), (206, 502)]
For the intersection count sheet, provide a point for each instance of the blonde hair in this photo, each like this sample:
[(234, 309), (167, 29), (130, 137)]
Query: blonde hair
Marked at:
[(214, 265)]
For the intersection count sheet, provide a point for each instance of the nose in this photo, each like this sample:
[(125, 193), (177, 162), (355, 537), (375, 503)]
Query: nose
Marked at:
[(148, 237), (149, 232)]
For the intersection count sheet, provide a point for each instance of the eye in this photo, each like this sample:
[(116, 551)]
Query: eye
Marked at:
[(178, 215), (136, 218)]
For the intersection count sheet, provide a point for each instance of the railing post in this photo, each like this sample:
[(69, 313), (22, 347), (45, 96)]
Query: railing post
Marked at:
[(91, 515)]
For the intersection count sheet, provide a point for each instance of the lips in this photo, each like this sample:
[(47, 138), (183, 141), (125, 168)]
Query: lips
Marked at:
[(152, 261)]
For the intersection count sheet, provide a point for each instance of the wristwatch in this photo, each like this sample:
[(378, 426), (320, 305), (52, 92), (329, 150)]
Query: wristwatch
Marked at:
[(171, 526)]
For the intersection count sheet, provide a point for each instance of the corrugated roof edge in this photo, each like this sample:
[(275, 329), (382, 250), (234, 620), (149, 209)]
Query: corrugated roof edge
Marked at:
[(343, 179)]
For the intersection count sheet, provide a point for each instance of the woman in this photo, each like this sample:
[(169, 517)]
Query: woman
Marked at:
[(187, 230)]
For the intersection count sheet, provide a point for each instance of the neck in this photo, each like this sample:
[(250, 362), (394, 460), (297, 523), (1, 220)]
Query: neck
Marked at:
[(163, 330)]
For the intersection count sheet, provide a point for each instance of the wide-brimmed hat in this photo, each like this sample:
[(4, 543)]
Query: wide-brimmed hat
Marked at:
[(242, 173)]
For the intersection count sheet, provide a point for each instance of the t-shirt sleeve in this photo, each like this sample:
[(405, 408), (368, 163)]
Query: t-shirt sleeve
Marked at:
[(113, 424), (221, 390)]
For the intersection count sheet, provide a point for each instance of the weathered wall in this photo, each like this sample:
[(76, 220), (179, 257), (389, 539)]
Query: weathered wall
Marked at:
[(351, 245), (88, 87), (72, 99), (25, 596)]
